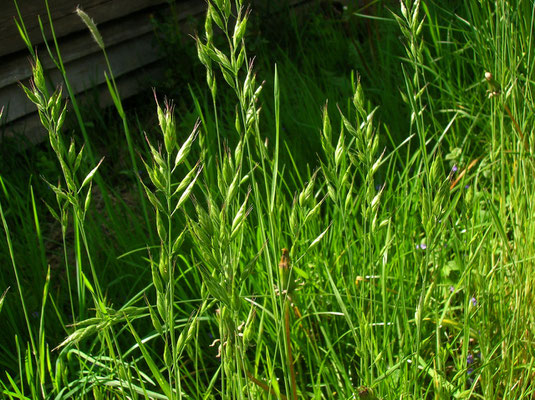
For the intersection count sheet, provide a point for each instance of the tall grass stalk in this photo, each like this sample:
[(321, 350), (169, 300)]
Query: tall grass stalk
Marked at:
[(115, 95), (57, 59)]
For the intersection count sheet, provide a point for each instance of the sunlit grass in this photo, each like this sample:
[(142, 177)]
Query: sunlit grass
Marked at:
[(373, 245)]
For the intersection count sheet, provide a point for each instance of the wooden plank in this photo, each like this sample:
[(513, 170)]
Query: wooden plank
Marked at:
[(17, 67), (83, 73), (65, 20), (129, 45), (28, 130), (86, 66)]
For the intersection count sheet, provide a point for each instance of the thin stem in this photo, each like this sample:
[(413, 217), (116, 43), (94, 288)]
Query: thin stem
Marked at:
[(293, 384)]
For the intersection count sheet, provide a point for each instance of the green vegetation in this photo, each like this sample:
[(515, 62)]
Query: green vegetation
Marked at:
[(347, 216)]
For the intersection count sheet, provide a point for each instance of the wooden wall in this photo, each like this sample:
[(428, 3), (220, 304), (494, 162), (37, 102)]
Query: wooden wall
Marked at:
[(128, 35)]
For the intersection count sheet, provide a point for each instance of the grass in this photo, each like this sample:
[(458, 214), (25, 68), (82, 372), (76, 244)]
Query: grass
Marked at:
[(317, 233)]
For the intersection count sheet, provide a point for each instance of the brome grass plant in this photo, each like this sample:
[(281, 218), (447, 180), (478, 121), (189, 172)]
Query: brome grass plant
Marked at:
[(389, 257)]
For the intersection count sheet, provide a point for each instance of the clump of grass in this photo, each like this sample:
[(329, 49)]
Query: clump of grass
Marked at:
[(406, 256)]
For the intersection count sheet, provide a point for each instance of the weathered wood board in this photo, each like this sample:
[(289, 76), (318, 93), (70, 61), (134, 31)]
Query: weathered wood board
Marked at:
[(128, 34), (63, 16)]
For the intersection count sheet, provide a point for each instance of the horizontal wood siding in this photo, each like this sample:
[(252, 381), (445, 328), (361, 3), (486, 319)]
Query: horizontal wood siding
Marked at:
[(127, 32), (63, 16)]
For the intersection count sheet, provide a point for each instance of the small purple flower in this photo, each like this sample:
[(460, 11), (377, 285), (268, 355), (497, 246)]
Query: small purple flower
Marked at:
[(467, 186), (452, 289), (469, 359), (469, 371), (454, 169), (473, 301), (423, 246)]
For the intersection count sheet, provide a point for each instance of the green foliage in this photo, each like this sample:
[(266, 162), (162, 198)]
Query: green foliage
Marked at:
[(404, 222)]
